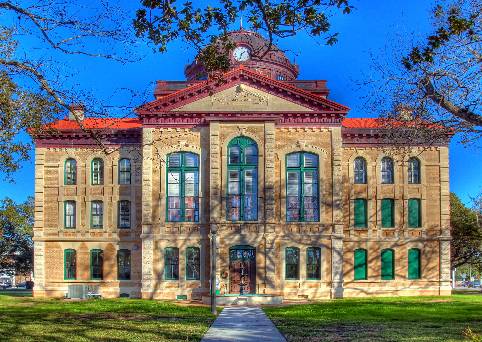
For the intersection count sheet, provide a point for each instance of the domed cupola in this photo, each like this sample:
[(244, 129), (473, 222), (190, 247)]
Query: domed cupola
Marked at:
[(252, 51)]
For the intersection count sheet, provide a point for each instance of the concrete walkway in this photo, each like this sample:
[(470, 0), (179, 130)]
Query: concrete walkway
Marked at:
[(243, 324)]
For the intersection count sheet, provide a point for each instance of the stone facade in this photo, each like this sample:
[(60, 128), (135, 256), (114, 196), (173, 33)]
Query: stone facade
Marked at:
[(280, 119)]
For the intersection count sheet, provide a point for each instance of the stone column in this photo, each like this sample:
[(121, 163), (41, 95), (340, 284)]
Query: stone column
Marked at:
[(337, 205), (146, 236), (269, 204), (445, 287), (215, 200), (38, 229)]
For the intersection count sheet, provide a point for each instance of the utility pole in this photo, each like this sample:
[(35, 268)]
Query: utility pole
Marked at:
[(213, 269)]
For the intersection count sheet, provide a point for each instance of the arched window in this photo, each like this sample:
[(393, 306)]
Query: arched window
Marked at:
[(97, 171), (242, 202), (70, 264), (183, 187), (414, 266), (313, 263), (413, 171), (360, 264), (388, 264), (302, 187), (193, 263), (96, 264), (70, 172), (360, 170), (171, 263), (124, 171), (387, 170), (292, 263)]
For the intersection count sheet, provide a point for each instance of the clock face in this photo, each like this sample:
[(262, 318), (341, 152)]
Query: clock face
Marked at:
[(241, 53)]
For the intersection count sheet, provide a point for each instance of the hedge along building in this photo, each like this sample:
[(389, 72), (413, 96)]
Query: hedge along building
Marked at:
[(305, 202)]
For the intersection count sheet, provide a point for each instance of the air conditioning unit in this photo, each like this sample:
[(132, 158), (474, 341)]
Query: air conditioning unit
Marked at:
[(83, 291)]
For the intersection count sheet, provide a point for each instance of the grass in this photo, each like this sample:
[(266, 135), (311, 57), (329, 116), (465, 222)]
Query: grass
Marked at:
[(381, 319), (31, 319)]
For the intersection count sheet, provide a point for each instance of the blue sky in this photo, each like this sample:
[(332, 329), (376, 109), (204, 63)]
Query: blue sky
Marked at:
[(373, 28)]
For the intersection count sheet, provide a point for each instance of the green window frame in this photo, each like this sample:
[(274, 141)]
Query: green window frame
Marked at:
[(123, 264), (70, 215), (193, 263), (96, 264), (124, 171), (360, 211), (414, 213), (70, 172), (97, 171), (124, 214), (96, 214), (242, 180), (292, 263), (414, 263), (302, 197), (387, 264), (313, 263), (182, 184), (171, 263), (414, 171), (360, 170), (388, 213), (360, 264), (70, 264)]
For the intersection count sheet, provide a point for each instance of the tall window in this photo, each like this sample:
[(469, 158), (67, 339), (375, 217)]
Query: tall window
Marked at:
[(414, 267), (96, 214), (70, 264), (360, 212), (69, 214), (360, 264), (388, 213), (360, 170), (183, 187), (70, 172), (313, 263), (124, 171), (124, 264), (414, 171), (124, 214), (302, 187), (193, 263), (97, 171), (387, 170), (171, 263), (242, 203), (414, 213), (96, 264), (292, 263), (388, 264)]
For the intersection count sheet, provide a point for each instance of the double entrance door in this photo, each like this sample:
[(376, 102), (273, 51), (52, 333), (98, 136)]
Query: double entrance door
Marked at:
[(242, 269)]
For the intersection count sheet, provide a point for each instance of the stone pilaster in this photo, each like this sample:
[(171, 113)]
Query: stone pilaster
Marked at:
[(215, 201), (147, 242), (39, 246), (445, 238), (269, 154), (337, 233)]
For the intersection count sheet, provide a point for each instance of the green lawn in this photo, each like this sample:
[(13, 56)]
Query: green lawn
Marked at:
[(381, 319), (30, 319)]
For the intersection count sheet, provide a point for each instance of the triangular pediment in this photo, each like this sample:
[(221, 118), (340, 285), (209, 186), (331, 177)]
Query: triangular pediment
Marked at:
[(242, 98)]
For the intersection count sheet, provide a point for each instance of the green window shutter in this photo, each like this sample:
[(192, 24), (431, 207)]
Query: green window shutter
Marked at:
[(388, 210), (360, 264), (360, 213), (414, 220), (414, 263), (388, 267)]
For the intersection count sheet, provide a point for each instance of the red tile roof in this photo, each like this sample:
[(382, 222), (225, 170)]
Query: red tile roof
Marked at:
[(97, 123), (364, 123)]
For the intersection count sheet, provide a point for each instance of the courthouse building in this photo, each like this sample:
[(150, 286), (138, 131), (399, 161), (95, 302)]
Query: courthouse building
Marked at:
[(305, 202)]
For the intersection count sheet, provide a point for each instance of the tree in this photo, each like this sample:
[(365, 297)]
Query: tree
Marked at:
[(16, 230), (35, 37), (466, 235), (438, 81)]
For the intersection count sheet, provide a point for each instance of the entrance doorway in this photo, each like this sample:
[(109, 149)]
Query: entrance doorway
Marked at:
[(242, 269)]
